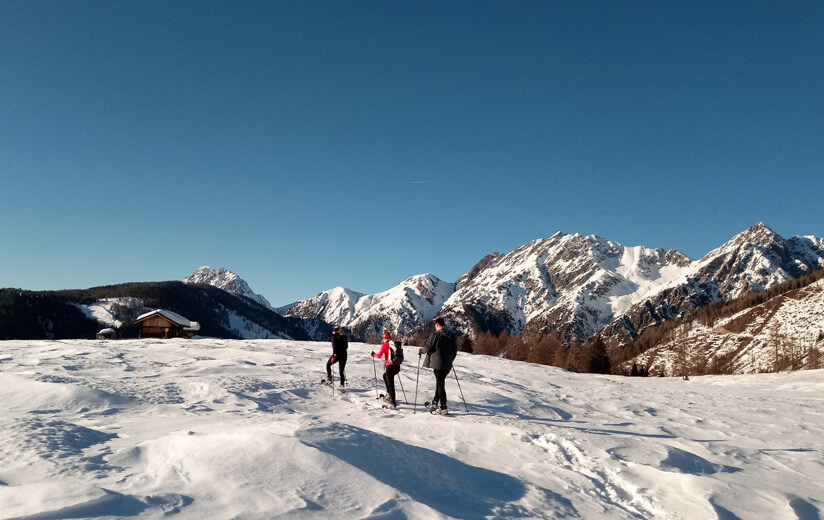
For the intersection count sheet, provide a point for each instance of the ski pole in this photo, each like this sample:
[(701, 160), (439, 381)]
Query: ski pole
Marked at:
[(329, 377), (459, 388), (414, 408), (375, 371), (402, 390)]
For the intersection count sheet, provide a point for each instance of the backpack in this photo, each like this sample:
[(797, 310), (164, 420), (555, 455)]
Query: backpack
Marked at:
[(396, 352)]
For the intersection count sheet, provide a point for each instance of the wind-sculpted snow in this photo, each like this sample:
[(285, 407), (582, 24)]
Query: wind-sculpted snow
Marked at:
[(439, 481), (243, 429)]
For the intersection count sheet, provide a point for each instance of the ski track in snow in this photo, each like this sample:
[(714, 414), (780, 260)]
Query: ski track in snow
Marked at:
[(243, 429)]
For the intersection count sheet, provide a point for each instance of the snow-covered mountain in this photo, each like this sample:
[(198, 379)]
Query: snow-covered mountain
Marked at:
[(575, 286), (414, 301), (228, 281), (785, 332), (759, 258), (569, 284), (753, 260)]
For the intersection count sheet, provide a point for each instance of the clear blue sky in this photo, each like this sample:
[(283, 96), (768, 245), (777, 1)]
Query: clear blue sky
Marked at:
[(306, 144)]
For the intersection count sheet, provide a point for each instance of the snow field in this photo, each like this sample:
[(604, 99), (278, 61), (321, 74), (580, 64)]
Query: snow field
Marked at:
[(243, 429)]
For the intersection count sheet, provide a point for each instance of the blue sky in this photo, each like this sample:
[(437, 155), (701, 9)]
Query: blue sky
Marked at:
[(306, 144)]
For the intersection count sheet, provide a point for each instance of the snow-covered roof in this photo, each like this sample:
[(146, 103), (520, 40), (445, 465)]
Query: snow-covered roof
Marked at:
[(173, 317)]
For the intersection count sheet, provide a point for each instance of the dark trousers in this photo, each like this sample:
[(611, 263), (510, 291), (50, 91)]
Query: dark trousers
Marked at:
[(389, 379), (341, 361), (440, 388)]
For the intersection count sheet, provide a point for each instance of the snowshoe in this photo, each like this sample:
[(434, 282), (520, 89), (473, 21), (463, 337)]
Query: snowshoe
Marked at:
[(439, 411), (430, 406)]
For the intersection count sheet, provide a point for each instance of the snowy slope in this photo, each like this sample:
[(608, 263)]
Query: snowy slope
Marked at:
[(228, 281), (401, 308), (241, 429), (104, 311), (775, 335)]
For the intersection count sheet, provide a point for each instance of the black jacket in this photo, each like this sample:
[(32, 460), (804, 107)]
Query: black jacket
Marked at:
[(441, 350), (340, 344)]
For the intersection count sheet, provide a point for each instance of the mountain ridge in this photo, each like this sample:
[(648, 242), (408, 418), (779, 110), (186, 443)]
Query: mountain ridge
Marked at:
[(402, 308), (574, 286)]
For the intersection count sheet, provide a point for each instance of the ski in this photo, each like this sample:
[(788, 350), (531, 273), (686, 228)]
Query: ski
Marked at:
[(434, 410)]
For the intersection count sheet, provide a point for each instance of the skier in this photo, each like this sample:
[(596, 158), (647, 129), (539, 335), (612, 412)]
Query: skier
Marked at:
[(340, 345), (440, 350), (393, 356)]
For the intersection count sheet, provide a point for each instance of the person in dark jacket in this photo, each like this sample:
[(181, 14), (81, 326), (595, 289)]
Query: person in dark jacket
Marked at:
[(440, 351), (340, 345)]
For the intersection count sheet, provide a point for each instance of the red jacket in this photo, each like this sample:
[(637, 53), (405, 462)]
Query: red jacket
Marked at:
[(384, 352)]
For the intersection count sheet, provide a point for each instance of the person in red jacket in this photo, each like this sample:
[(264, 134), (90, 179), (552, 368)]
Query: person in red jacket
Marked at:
[(391, 369)]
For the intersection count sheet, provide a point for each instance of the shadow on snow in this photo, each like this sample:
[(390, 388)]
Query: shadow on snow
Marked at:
[(442, 483)]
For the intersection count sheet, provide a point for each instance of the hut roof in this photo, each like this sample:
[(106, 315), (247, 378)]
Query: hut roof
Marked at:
[(171, 316)]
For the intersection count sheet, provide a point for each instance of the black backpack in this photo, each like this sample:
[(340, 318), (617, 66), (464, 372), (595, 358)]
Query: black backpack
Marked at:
[(396, 353)]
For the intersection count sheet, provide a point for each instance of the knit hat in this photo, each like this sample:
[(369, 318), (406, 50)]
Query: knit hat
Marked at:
[(386, 336)]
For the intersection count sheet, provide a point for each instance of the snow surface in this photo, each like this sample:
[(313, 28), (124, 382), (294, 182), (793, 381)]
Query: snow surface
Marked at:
[(242, 429)]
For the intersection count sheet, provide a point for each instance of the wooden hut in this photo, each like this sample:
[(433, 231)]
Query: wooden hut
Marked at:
[(107, 333), (161, 323)]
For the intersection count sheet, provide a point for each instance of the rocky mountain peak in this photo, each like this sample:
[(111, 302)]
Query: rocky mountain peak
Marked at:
[(224, 279), (757, 235)]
